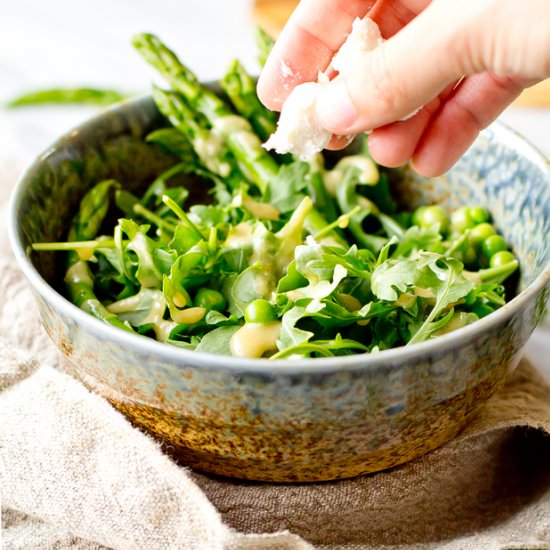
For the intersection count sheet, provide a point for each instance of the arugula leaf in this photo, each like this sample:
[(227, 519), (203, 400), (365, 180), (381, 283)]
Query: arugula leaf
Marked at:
[(387, 332), (323, 348), (235, 260), (292, 335), (187, 272), (316, 262), (396, 276), (452, 287), (289, 187), (218, 341), (380, 194), (254, 282), (184, 238), (109, 279), (291, 234), (485, 298), (135, 257), (145, 307), (325, 287), (333, 315), (458, 320), (292, 279), (416, 239)]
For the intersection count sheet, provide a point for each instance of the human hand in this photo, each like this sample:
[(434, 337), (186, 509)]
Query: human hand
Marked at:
[(493, 49)]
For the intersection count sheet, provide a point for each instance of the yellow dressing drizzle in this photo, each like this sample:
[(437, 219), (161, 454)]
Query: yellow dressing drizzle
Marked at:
[(252, 340)]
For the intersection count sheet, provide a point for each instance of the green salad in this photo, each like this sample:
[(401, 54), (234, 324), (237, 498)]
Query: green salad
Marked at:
[(286, 258)]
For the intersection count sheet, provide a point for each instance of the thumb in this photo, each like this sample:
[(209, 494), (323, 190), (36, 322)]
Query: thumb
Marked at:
[(399, 76)]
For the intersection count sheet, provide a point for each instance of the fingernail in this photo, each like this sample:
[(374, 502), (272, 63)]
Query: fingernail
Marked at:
[(335, 110)]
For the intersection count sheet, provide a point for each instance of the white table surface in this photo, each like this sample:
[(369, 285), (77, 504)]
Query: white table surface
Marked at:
[(78, 43)]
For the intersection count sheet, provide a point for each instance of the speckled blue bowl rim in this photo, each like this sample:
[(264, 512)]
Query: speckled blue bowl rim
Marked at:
[(387, 358)]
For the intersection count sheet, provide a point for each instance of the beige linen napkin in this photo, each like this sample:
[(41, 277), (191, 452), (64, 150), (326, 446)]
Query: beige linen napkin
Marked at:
[(75, 474)]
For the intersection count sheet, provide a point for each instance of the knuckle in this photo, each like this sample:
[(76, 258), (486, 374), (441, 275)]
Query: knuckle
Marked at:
[(386, 89)]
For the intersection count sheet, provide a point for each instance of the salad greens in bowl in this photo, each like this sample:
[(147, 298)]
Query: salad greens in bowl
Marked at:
[(271, 318)]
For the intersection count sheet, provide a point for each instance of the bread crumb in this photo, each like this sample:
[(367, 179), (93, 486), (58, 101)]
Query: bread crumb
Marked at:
[(297, 131)]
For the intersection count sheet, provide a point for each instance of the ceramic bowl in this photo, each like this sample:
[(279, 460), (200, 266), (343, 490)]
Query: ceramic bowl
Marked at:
[(305, 420)]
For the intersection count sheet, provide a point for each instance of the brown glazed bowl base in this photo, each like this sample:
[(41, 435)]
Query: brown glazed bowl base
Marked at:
[(237, 451)]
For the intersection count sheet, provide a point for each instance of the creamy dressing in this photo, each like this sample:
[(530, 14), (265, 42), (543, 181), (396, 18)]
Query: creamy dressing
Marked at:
[(140, 247), (368, 172), (209, 150), (290, 235), (155, 316), (239, 236), (163, 329), (406, 300), (263, 246), (459, 320), (424, 292), (262, 284), (156, 313), (252, 340), (179, 299), (230, 124), (189, 316), (208, 146), (239, 131), (321, 289), (85, 252), (351, 303), (261, 209), (256, 237)]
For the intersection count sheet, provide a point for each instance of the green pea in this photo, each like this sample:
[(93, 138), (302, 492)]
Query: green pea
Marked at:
[(434, 215), (493, 244), (461, 219), (417, 215), (479, 214), (504, 257), (481, 232), (259, 311), (209, 299)]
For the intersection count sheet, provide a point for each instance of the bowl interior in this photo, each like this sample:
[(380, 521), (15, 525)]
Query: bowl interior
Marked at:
[(501, 171)]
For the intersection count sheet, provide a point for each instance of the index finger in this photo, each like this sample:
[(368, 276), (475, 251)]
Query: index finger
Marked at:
[(315, 32), (309, 40)]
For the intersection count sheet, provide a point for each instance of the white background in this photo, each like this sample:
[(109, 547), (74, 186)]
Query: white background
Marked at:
[(87, 43)]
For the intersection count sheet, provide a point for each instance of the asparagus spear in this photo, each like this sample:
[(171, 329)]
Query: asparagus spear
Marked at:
[(240, 87), (318, 189), (211, 152), (264, 45), (91, 96), (85, 226), (92, 211), (241, 140), (174, 142), (348, 199)]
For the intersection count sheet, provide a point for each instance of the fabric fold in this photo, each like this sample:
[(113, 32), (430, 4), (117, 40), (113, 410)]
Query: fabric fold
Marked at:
[(74, 473)]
